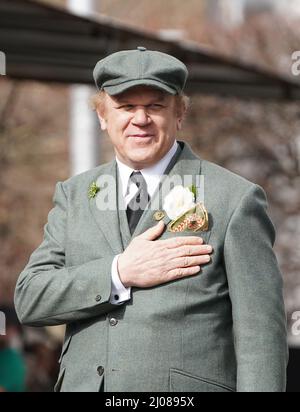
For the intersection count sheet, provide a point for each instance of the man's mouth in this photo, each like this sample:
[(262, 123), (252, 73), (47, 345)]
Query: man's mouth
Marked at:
[(142, 135)]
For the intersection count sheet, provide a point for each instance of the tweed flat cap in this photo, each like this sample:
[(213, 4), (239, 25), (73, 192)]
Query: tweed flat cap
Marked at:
[(129, 68)]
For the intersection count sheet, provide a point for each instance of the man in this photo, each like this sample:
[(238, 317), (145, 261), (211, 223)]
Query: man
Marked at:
[(148, 306)]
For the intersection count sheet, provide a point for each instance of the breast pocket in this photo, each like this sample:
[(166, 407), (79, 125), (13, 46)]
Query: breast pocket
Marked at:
[(205, 235)]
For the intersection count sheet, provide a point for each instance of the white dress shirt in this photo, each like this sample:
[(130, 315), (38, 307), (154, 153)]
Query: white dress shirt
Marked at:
[(152, 175)]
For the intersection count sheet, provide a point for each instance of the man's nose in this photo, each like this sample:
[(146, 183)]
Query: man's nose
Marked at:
[(141, 117)]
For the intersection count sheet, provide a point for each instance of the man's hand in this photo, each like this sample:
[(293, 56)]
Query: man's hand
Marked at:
[(146, 263)]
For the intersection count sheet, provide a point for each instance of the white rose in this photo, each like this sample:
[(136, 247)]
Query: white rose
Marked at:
[(178, 201)]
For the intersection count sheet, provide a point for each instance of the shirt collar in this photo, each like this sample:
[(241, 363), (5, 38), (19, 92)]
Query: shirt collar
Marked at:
[(151, 174)]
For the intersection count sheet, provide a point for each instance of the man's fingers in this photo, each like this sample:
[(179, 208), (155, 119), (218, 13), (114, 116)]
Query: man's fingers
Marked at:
[(153, 232), (175, 242), (183, 272), (191, 250), (186, 261)]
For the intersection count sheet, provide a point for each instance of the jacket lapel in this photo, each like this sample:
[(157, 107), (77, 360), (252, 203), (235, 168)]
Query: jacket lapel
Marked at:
[(124, 227), (108, 219)]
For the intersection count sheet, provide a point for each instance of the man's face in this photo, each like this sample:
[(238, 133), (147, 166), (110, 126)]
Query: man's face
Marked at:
[(142, 124)]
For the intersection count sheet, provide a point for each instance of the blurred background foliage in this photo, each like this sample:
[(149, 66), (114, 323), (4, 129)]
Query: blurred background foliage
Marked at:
[(258, 139)]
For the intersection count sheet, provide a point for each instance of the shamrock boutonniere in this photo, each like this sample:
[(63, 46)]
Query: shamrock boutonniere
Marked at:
[(187, 215), (93, 190)]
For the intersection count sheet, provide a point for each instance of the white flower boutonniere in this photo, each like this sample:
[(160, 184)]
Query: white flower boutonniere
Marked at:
[(187, 215), (178, 201)]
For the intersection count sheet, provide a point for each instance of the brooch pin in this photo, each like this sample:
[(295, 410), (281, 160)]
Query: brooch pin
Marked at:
[(193, 220), (186, 215)]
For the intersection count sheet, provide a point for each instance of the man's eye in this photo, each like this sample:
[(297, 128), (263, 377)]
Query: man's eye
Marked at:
[(155, 106), (126, 107)]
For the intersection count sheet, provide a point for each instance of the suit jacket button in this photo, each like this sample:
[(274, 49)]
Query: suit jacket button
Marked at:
[(98, 298), (113, 322), (100, 370)]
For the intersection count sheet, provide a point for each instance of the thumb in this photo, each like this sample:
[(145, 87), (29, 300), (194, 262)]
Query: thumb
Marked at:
[(153, 232)]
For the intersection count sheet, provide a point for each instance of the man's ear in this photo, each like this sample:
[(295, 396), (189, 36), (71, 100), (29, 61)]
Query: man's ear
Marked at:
[(102, 120)]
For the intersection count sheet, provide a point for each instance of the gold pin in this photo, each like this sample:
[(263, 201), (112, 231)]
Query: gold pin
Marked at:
[(159, 215)]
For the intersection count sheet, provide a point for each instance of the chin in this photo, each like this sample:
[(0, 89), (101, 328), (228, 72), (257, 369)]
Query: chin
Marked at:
[(142, 160), (142, 151)]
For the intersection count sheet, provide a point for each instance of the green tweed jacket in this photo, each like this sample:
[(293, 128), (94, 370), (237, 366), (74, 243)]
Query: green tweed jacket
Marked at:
[(221, 330)]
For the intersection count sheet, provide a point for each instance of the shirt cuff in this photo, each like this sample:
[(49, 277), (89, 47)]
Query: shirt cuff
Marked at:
[(119, 294)]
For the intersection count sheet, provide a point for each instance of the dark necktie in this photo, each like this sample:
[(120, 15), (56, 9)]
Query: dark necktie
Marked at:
[(138, 203)]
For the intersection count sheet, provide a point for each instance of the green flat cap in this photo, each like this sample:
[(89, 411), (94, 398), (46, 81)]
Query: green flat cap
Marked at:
[(129, 68)]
